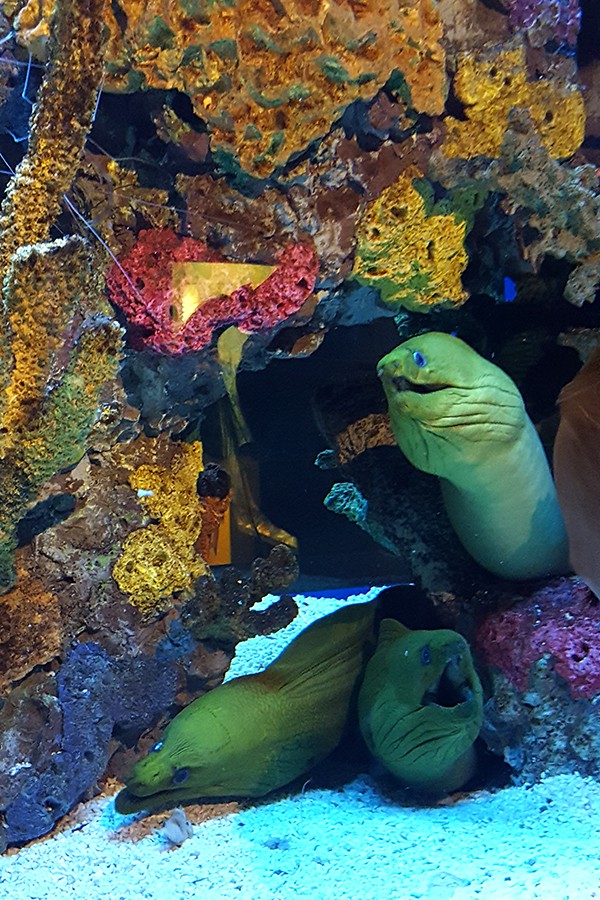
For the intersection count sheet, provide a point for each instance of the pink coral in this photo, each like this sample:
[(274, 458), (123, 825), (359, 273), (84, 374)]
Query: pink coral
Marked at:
[(141, 285), (562, 620)]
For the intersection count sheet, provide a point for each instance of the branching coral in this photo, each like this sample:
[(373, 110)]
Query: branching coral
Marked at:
[(60, 122), (490, 86), (415, 260), (269, 80), (152, 301), (160, 559)]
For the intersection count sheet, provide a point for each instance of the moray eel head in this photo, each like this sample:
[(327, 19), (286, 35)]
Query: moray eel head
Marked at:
[(255, 733), (421, 707), (185, 764), (446, 402)]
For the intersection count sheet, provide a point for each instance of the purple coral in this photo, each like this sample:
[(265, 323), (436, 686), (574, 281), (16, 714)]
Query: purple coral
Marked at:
[(562, 621), (546, 20), (95, 694)]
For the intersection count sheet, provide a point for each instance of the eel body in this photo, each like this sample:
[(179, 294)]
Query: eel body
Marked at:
[(256, 733), (420, 707), (577, 469), (456, 415)]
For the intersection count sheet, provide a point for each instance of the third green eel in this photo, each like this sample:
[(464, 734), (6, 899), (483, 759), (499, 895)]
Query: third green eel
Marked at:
[(456, 415), (420, 707)]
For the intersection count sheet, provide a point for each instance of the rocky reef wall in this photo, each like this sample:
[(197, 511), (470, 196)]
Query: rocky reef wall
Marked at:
[(202, 194)]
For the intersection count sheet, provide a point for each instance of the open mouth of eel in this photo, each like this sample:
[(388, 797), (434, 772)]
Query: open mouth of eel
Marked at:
[(451, 689), (403, 384)]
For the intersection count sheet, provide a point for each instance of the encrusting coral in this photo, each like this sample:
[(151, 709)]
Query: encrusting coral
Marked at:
[(490, 85), (59, 125), (160, 559), (560, 621), (554, 209), (414, 259), (544, 658), (266, 145), (268, 81), (58, 346), (559, 205), (65, 339), (158, 315)]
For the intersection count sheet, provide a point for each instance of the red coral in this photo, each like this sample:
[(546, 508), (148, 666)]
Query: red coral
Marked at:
[(141, 285), (562, 620)]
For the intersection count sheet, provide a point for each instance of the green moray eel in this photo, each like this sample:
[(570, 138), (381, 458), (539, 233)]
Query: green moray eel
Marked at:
[(256, 733), (456, 415), (420, 707)]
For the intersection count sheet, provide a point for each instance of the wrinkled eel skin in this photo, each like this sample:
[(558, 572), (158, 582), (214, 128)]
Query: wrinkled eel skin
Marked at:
[(420, 707), (256, 733), (456, 415), (577, 469)]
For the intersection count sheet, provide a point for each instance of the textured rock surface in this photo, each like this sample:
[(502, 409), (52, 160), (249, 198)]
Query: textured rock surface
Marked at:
[(543, 716), (549, 20), (269, 81), (94, 694), (423, 145), (560, 621)]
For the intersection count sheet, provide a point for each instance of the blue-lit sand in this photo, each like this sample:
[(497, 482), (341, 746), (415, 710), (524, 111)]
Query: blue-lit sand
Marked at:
[(348, 844)]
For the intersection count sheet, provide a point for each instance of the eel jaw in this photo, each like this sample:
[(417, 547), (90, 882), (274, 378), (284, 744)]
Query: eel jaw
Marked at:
[(401, 383), (452, 688)]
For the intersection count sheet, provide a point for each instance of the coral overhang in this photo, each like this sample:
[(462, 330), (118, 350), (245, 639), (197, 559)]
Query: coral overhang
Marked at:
[(143, 287)]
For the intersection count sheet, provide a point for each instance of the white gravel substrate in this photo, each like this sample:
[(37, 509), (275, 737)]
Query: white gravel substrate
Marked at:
[(349, 844), (337, 845)]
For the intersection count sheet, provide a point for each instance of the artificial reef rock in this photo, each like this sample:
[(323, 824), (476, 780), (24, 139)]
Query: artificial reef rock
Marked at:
[(543, 656), (200, 191), (265, 80)]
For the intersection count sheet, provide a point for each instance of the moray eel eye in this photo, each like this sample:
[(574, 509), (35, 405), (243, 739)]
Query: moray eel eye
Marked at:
[(180, 776), (425, 655), (157, 747), (418, 359), (451, 689)]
